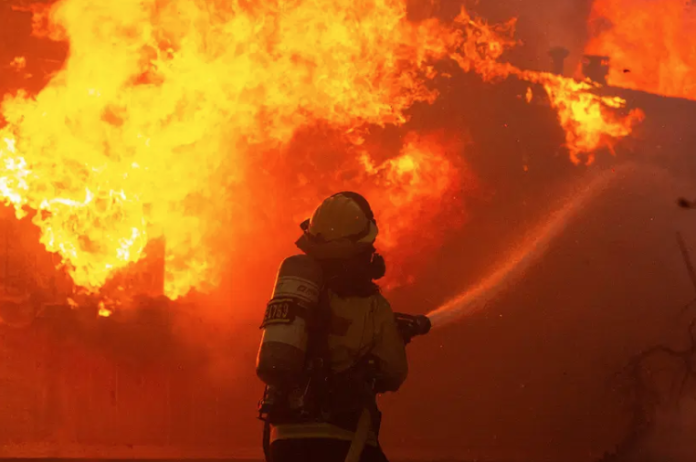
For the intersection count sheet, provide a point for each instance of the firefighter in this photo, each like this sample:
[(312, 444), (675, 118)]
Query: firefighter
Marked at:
[(330, 341)]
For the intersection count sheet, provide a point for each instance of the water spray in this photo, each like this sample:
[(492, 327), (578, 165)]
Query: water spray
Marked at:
[(526, 254)]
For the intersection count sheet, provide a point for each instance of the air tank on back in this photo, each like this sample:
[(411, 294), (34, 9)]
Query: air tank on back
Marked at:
[(295, 301)]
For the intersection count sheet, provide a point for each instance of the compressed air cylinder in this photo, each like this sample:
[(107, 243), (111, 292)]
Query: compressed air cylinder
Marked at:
[(295, 301)]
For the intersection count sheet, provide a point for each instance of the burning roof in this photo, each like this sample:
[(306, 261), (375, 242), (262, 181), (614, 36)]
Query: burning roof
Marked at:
[(166, 120)]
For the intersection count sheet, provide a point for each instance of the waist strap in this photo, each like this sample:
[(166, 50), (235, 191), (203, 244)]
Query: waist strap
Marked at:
[(316, 430)]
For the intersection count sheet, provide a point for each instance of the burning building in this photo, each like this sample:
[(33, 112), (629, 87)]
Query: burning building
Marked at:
[(217, 136)]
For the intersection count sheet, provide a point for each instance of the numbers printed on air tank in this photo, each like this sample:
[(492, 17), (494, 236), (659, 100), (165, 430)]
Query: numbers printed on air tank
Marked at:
[(278, 312)]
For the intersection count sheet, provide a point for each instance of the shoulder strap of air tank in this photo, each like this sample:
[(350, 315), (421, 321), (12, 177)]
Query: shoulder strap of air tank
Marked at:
[(323, 327), (320, 355)]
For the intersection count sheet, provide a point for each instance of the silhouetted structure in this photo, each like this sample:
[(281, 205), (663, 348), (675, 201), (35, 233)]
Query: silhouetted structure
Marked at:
[(596, 68), (558, 57)]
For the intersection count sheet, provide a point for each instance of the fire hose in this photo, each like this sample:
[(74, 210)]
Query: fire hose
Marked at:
[(409, 326)]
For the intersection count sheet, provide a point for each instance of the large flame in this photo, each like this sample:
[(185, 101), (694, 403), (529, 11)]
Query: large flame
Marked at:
[(163, 110), (427, 173), (651, 44), (587, 118)]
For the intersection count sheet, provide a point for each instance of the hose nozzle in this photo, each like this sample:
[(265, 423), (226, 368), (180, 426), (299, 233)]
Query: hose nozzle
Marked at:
[(412, 325)]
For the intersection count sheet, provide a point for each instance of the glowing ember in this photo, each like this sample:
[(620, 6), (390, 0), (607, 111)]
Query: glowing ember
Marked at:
[(103, 311), (18, 63), (162, 108), (650, 43)]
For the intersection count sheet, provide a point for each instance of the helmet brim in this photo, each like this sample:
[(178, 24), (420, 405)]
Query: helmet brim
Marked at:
[(371, 235)]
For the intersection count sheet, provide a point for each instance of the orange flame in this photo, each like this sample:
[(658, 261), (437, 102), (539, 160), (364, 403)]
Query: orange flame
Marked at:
[(587, 118), (162, 109), (18, 63), (408, 192), (419, 177), (651, 44)]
